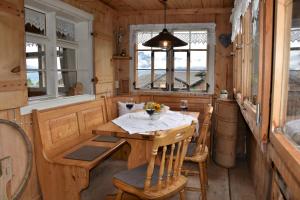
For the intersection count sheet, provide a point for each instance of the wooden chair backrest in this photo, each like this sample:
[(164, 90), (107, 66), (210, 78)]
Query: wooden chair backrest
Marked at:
[(177, 141), (202, 139), (61, 128)]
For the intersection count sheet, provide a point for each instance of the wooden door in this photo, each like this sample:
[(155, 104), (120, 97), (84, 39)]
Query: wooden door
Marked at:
[(13, 90)]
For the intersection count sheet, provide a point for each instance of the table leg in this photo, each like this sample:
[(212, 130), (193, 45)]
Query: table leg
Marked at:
[(140, 152)]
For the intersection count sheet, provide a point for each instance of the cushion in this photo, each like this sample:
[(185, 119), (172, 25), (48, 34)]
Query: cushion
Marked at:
[(124, 110), (136, 177), (106, 138), (86, 153)]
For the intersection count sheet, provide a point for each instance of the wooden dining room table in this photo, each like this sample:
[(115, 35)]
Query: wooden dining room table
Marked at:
[(140, 143)]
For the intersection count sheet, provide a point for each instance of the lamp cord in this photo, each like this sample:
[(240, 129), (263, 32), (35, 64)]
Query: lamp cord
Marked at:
[(165, 7)]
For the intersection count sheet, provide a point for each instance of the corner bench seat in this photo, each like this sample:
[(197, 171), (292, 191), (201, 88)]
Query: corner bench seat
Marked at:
[(60, 131), (60, 158)]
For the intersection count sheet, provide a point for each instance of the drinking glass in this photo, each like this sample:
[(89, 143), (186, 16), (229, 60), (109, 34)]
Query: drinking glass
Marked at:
[(184, 105), (130, 104)]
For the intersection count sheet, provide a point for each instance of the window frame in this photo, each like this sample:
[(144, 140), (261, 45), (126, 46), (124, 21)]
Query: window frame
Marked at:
[(284, 149), (83, 44), (210, 27)]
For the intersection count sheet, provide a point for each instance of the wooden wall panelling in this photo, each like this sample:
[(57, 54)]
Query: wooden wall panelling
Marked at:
[(260, 168), (32, 190), (223, 58), (13, 90), (265, 90), (131, 5), (286, 163)]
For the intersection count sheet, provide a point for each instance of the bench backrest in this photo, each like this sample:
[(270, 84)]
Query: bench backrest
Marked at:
[(60, 128), (112, 105)]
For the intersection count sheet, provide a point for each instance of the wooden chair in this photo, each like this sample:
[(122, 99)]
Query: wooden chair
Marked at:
[(198, 152), (151, 181)]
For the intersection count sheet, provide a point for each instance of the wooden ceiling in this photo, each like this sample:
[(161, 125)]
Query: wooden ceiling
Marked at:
[(137, 5)]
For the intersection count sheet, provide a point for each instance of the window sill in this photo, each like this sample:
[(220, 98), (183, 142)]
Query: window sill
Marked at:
[(52, 103), (160, 92)]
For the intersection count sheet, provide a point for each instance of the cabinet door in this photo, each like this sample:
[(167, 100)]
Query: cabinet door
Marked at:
[(13, 90)]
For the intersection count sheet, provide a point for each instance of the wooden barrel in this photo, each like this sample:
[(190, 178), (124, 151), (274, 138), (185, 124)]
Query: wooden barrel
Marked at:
[(225, 132), (15, 160)]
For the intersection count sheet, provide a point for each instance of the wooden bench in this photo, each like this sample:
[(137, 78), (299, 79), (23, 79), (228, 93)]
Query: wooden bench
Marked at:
[(60, 131)]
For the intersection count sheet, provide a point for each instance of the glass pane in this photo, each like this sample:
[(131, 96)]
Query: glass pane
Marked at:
[(293, 105), (34, 79), (199, 39), (180, 80), (160, 60), (144, 60), (198, 70), (31, 47), (36, 83), (180, 60), (198, 60), (65, 30), (143, 79), (66, 80), (180, 70), (142, 37), (184, 36), (66, 58), (32, 63), (198, 80), (35, 22), (35, 56), (255, 60), (160, 79)]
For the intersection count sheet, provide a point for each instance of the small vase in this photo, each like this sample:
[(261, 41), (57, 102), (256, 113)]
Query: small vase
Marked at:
[(155, 116)]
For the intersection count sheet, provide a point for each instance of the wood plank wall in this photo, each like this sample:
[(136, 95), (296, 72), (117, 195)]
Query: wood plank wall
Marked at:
[(223, 60), (32, 191)]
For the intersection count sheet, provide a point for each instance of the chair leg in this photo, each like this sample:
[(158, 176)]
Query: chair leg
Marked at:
[(182, 195), (202, 180), (119, 195), (205, 174)]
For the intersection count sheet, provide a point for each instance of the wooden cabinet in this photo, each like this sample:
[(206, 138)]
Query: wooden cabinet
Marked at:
[(226, 126), (13, 90)]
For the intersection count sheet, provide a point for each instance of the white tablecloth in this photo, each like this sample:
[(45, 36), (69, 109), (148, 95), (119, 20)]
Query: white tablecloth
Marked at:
[(139, 122)]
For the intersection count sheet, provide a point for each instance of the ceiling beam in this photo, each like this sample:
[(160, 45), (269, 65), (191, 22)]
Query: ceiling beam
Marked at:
[(199, 11)]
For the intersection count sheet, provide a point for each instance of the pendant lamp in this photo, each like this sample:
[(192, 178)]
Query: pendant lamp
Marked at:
[(165, 39)]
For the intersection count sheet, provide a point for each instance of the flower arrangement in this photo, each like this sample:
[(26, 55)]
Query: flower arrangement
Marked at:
[(153, 106)]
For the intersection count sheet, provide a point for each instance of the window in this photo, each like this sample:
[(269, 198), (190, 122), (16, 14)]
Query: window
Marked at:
[(36, 71), (179, 69), (286, 112), (255, 51), (58, 51), (190, 62)]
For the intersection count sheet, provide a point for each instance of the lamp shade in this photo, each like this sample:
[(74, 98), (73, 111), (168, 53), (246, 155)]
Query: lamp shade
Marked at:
[(164, 40)]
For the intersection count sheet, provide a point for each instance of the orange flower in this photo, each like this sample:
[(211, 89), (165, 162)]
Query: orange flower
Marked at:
[(157, 107)]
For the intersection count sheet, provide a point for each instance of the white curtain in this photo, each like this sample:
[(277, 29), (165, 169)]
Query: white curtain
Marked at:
[(35, 19), (239, 10)]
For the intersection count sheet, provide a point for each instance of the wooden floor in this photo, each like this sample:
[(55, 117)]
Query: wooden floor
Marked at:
[(233, 184)]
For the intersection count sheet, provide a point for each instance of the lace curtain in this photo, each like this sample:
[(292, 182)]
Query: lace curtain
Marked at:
[(36, 19), (295, 35), (195, 37), (65, 30), (239, 10)]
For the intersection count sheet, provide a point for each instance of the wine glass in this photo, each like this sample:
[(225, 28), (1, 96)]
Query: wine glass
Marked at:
[(150, 112), (184, 105), (130, 104)]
